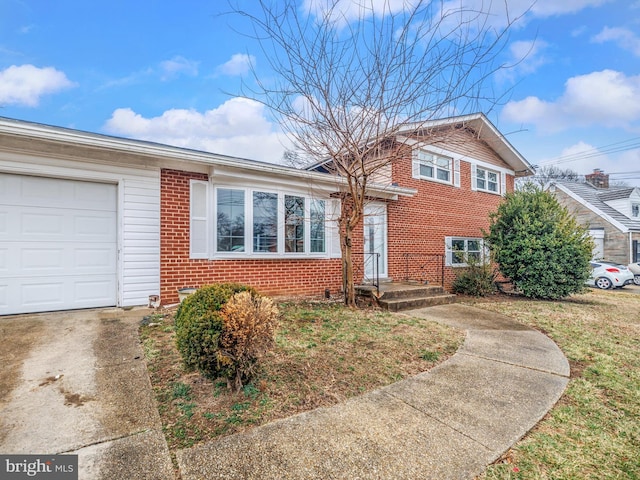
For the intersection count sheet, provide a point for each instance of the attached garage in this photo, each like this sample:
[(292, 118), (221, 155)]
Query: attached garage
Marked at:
[(58, 244)]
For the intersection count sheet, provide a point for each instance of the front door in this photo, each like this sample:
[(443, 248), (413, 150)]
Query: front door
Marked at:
[(375, 240)]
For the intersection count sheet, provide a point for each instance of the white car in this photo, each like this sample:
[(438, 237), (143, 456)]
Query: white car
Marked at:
[(635, 269), (609, 275)]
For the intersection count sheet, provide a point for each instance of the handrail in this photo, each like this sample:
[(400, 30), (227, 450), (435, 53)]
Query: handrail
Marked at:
[(359, 269), (424, 268)]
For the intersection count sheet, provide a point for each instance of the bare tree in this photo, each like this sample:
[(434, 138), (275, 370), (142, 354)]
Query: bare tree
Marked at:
[(349, 76), (548, 173)]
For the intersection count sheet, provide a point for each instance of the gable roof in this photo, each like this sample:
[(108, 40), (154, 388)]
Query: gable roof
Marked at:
[(484, 130), (594, 199)]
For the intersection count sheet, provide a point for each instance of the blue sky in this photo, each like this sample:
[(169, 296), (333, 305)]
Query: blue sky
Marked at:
[(167, 71)]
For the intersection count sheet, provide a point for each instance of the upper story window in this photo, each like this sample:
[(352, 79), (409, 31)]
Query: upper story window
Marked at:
[(635, 210), (487, 180), (432, 167)]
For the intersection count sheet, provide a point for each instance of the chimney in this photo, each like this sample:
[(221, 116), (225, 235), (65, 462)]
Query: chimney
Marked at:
[(598, 178)]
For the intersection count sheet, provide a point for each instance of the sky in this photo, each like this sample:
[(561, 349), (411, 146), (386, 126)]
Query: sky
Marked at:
[(171, 71)]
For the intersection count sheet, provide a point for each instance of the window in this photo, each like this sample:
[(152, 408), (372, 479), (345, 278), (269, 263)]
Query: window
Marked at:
[(293, 224), (433, 167), (487, 180), (317, 227), (635, 210), (460, 250), (230, 221), (265, 222), (251, 222)]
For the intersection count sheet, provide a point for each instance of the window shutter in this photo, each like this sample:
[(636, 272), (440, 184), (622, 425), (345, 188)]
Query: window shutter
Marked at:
[(447, 251), (415, 168), (199, 220), (333, 231), (636, 251), (456, 173), (474, 177), (503, 183)]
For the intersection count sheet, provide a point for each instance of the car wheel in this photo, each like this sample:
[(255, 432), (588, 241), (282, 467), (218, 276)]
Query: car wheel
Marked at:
[(636, 279), (603, 283)]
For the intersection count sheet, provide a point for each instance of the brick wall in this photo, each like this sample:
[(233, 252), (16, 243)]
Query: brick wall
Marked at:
[(270, 277), (419, 224)]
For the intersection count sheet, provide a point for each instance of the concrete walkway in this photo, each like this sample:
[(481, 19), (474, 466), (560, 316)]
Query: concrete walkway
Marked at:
[(448, 423), (79, 385)]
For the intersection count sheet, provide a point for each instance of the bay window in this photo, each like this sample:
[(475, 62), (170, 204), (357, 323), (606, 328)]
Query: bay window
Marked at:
[(246, 222)]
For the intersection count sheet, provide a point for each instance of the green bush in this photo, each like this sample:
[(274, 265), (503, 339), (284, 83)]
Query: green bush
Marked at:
[(199, 326), (539, 246), (477, 279)]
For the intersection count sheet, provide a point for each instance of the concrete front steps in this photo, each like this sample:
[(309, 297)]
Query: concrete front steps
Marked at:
[(399, 296)]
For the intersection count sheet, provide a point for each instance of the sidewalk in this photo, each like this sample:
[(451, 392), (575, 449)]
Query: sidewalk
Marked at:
[(448, 423)]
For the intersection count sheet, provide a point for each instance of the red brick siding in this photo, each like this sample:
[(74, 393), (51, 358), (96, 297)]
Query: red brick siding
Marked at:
[(270, 277), (419, 224)]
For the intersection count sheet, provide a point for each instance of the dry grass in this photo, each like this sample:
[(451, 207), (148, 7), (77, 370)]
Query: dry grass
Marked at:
[(324, 354), (594, 430)]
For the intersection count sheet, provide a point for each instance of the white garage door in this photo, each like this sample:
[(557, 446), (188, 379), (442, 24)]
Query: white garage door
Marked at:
[(58, 244)]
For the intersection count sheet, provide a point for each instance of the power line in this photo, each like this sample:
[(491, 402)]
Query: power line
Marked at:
[(616, 147)]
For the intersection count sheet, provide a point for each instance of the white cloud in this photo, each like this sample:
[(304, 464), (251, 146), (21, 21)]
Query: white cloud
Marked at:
[(547, 8), (625, 39), (525, 57), (178, 65), (239, 64), (238, 127), (607, 98), (345, 11), (26, 84)]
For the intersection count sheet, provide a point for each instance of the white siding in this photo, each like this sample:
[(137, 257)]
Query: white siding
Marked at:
[(140, 263), (138, 215)]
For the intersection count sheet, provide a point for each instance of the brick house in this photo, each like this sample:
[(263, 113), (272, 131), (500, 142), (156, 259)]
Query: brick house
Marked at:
[(89, 220), (612, 215)]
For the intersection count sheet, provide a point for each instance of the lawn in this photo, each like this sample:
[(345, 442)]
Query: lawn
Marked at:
[(594, 430), (324, 354)]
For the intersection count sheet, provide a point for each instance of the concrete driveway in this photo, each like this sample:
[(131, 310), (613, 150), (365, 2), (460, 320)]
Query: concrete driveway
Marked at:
[(76, 382)]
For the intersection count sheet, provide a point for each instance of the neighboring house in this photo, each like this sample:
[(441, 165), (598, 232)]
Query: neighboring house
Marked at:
[(611, 213), (89, 220)]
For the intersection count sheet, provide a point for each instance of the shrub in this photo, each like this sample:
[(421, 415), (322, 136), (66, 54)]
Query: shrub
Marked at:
[(199, 325), (249, 323), (477, 279), (539, 246)]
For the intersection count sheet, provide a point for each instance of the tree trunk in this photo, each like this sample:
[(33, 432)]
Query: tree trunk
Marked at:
[(347, 267)]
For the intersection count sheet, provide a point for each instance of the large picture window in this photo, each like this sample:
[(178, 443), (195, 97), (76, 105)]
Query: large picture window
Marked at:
[(254, 222)]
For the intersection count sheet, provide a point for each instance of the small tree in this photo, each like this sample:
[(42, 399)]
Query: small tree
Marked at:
[(539, 245), (349, 76)]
